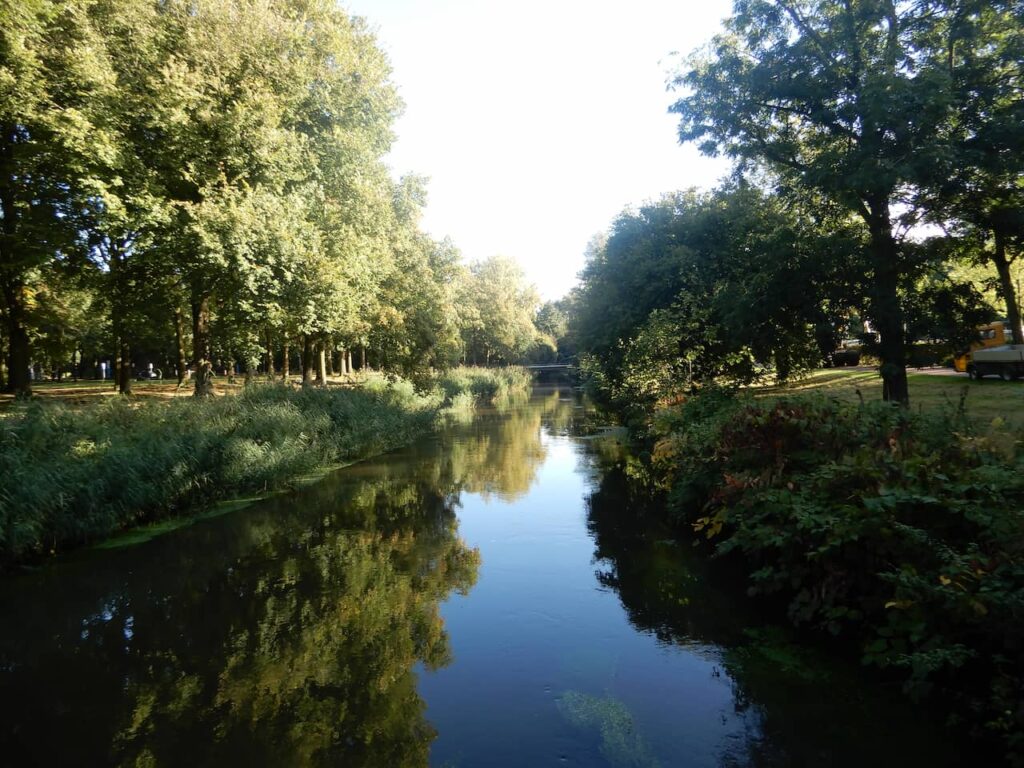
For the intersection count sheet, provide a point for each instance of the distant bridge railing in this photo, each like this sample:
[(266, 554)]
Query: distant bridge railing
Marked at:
[(551, 367), (552, 372)]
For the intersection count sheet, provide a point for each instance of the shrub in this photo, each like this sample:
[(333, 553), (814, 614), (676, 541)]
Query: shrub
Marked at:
[(486, 385), (901, 531), (71, 475)]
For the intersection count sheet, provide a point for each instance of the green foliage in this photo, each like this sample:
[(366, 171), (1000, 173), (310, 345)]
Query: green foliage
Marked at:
[(898, 530), (485, 385), (701, 288), (72, 475), (854, 101), (499, 312), (223, 157)]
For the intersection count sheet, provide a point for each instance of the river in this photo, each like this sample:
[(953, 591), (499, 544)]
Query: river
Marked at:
[(495, 595)]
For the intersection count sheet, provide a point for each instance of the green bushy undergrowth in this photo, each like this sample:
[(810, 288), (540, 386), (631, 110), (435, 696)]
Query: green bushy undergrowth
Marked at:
[(484, 384), (901, 532), (72, 475)]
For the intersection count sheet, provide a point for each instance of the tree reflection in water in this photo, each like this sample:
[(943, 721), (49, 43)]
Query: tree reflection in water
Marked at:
[(797, 706), (285, 635)]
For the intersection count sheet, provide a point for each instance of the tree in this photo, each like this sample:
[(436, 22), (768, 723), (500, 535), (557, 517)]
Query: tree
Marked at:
[(552, 323), (415, 326), (52, 69), (832, 96), (245, 101), (976, 189), (697, 287), (505, 307)]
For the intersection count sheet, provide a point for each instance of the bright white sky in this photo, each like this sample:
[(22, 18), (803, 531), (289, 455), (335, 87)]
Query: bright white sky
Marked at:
[(538, 121)]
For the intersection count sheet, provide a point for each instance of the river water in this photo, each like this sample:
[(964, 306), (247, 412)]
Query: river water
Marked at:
[(495, 595)]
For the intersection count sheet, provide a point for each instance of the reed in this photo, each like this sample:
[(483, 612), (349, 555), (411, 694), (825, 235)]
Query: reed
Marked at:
[(71, 475)]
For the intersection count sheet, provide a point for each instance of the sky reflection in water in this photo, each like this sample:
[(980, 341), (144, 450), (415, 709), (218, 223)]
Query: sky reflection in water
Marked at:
[(493, 596)]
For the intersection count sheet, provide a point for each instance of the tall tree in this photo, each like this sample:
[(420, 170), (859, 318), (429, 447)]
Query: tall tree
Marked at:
[(263, 98), (978, 187), (52, 67), (416, 313), (506, 306), (697, 287), (832, 96)]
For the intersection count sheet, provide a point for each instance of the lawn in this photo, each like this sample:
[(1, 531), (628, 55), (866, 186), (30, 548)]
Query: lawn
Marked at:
[(995, 406)]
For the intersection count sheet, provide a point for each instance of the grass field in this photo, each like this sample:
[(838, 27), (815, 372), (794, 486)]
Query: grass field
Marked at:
[(93, 391), (996, 407)]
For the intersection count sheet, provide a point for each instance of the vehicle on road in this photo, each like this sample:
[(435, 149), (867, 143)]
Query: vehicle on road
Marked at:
[(993, 354)]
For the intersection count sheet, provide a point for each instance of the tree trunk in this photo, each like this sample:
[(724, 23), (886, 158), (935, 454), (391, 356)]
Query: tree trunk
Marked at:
[(286, 363), (331, 367), (19, 381), (201, 345), (362, 358), (124, 371), (248, 371), (270, 355), (322, 372), (347, 362), (885, 306), (307, 361), (1006, 287), (179, 346)]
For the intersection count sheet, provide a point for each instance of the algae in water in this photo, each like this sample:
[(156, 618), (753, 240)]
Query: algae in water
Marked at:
[(621, 745)]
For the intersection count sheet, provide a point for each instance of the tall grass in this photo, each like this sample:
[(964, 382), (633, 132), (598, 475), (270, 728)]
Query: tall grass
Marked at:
[(72, 475), (484, 384)]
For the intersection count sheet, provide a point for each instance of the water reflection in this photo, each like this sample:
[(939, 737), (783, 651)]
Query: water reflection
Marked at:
[(500, 452), (793, 705), (344, 625), (285, 635)]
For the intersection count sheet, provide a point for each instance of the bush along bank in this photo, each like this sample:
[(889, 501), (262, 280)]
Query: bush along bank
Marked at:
[(900, 533), (487, 385), (69, 476)]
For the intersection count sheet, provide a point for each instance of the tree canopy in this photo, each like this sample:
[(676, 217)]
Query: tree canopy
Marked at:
[(852, 124), (211, 174)]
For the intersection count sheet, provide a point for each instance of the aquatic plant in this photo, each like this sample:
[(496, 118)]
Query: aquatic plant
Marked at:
[(620, 745)]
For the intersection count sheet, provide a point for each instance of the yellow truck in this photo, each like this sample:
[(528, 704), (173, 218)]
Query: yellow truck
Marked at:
[(993, 354)]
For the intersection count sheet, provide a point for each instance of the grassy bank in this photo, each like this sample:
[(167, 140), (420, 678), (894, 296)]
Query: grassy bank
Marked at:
[(900, 534), (71, 475), (987, 401), (492, 385)]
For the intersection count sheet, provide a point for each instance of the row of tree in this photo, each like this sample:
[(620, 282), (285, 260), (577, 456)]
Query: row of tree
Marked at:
[(201, 182), (858, 127)]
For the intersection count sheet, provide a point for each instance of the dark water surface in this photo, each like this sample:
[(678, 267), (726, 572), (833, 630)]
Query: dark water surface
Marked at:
[(491, 596)]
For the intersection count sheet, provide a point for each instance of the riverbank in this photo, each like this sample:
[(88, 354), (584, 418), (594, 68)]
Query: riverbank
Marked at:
[(895, 533), (389, 589), (74, 475)]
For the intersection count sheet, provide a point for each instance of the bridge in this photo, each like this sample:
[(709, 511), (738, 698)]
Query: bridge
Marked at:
[(553, 372)]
